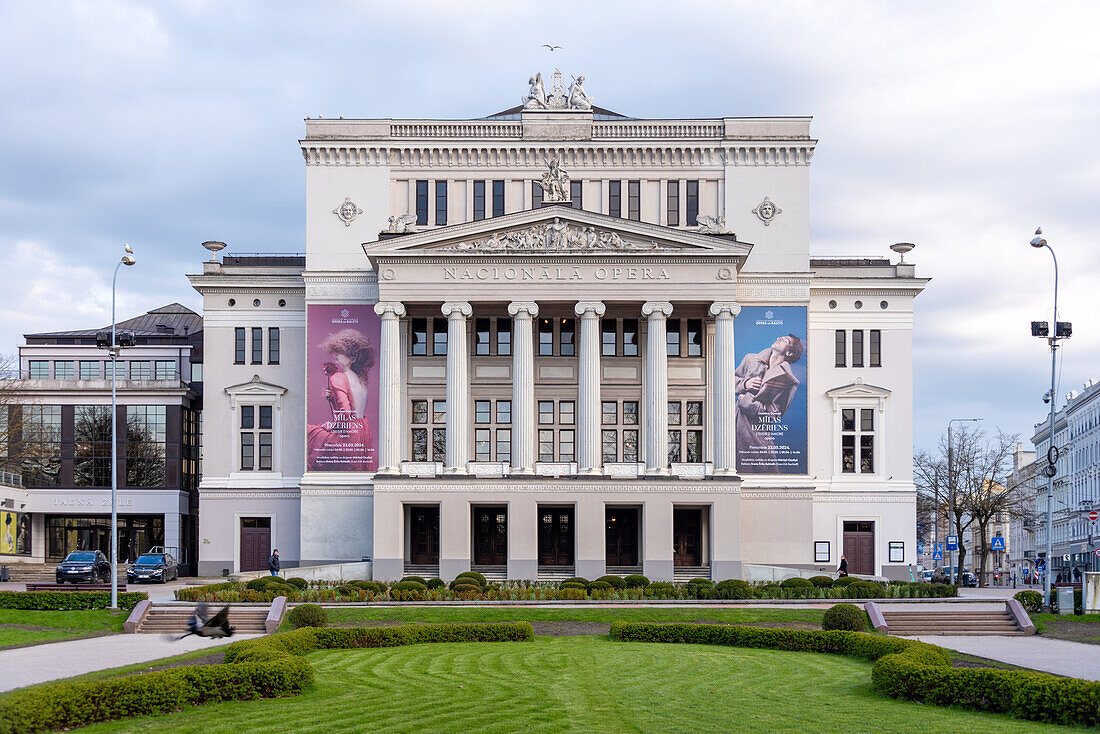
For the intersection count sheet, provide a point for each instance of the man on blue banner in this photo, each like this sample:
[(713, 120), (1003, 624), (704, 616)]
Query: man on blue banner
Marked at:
[(765, 386)]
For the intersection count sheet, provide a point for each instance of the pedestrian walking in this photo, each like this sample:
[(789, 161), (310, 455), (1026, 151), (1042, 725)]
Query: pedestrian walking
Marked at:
[(843, 570), (273, 562)]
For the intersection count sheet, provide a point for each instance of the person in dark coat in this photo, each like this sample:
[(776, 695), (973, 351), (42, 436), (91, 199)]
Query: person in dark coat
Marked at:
[(843, 570), (273, 562)]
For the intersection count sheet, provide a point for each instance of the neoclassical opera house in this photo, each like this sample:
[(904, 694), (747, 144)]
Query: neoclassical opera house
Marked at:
[(558, 341)]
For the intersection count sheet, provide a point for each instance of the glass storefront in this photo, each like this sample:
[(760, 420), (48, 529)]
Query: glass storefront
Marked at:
[(136, 535)]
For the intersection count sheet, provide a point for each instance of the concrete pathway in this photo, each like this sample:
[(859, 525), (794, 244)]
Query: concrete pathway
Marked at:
[(27, 666), (1075, 659)]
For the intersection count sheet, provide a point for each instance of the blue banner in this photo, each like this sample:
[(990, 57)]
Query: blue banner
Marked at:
[(771, 390)]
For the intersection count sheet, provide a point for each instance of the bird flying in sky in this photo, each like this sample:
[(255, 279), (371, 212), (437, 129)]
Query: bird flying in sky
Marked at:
[(552, 48)]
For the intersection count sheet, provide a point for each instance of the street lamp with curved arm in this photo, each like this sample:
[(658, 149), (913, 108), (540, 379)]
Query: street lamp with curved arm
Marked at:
[(127, 259)]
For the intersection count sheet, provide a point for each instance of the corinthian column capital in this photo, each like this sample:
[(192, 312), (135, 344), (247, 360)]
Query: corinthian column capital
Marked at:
[(395, 309), (657, 309), (529, 307), (719, 307), (457, 309)]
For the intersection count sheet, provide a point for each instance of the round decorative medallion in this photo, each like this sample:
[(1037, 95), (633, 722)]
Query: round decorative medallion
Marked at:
[(347, 212), (767, 211)]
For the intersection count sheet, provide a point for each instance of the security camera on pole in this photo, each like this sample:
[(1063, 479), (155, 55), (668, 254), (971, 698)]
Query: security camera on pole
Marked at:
[(1062, 330), (114, 342)]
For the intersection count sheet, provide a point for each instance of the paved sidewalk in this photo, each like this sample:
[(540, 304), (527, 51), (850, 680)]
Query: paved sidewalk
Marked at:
[(26, 666), (1075, 659)]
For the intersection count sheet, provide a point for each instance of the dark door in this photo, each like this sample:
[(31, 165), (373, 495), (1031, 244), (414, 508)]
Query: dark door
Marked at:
[(686, 537), (622, 536), (555, 536), (491, 536), (859, 547), (424, 535), (255, 543)]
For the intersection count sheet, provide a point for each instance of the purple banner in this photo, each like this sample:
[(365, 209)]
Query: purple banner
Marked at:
[(341, 387)]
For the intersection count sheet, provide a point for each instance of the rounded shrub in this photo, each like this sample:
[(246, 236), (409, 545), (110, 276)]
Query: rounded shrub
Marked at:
[(307, 615), (844, 617), (466, 581), (1031, 601), (821, 582), (573, 585), (260, 584), (409, 585), (577, 580), (866, 590), (461, 588), (845, 581), (291, 592), (598, 585), (477, 578), (616, 581), (796, 583), (635, 581), (375, 587), (348, 590), (436, 584), (417, 579), (733, 589), (700, 588), (298, 582), (660, 589)]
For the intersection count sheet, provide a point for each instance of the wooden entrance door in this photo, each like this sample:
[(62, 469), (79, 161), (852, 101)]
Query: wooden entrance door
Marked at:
[(859, 547), (491, 536), (555, 536), (255, 543), (622, 536), (424, 536), (687, 541)]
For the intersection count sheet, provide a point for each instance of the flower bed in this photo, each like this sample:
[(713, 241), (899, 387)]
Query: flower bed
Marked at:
[(472, 587)]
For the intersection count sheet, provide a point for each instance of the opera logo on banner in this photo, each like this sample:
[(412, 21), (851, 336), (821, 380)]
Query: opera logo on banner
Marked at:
[(342, 387), (770, 383)]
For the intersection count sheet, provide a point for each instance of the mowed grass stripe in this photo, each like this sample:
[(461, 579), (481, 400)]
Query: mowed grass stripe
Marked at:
[(733, 615), (582, 684)]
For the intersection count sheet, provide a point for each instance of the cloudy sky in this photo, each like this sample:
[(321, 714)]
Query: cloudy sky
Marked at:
[(957, 126)]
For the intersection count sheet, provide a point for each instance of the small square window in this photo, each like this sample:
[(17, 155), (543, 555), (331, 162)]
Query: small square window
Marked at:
[(609, 413), (674, 413), (546, 412)]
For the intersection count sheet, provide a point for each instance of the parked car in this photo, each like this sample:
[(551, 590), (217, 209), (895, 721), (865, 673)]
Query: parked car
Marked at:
[(87, 566), (926, 575), (153, 567)]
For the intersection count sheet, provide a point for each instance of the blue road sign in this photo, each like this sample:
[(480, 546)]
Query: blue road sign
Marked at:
[(998, 543), (1040, 562), (920, 547), (937, 555), (952, 542)]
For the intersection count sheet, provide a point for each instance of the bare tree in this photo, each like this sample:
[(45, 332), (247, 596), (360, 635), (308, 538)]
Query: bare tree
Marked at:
[(986, 496), (26, 440)]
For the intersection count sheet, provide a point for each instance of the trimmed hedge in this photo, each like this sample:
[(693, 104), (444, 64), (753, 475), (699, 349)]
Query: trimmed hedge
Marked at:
[(297, 582), (307, 615), (375, 587), (435, 583), (616, 581), (797, 583), (906, 669), (635, 581), (417, 579), (1031, 601), (660, 589), (844, 580), (844, 617), (264, 667), (733, 589), (822, 582), (62, 601), (477, 577)]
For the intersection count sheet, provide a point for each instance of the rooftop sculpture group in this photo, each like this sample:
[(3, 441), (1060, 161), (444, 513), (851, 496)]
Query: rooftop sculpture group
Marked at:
[(559, 98)]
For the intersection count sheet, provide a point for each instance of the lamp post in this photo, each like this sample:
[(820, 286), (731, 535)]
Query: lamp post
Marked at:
[(953, 485), (1060, 331), (128, 260)]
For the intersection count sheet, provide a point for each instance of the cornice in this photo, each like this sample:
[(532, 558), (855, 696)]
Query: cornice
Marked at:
[(239, 495), (563, 488)]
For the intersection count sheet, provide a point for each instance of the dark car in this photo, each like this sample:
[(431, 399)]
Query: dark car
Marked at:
[(153, 567), (87, 566)]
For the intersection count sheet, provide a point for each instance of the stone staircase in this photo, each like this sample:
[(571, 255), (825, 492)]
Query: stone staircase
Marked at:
[(951, 622), (683, 574), (173, 618)]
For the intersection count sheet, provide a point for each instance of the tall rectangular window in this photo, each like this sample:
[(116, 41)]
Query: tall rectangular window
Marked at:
[(536, 195), (857, 441), (146, 445), (567, 338), (483, 444), (693, 445), (615, 198), (504, 337), (498, 198), (273, 345), (673, 203), (841, 339), (634, 200), (610, 446), (857, 348), (576, 194), (422, 203), (674, 452), (257, 345), (607, 338), (439, 337), (672, 337), (238, 345), (481, 336), (566, 444), (874, 348), (546, 445), (419, 334), (479, 200), (546, 337), (92, 446), (692, 203), (41, 427), (695, 337), (630, 337), (440, 202)]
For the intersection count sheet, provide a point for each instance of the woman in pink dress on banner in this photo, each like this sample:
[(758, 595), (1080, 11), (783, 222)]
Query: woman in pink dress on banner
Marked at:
[(346, 441)]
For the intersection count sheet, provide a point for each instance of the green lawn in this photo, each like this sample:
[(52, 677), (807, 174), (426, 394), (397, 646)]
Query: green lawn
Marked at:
[(584, 684), (733, 615), (19, 626)]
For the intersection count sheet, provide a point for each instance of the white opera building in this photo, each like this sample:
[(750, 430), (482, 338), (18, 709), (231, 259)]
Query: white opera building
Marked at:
[(558, 341)]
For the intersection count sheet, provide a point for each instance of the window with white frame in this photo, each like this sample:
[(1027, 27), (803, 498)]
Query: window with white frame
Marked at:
[(619, 431), (685, 431), (256, 427), (429, 430), (557, 435), (859, 411), (493, 430), (857, 440)]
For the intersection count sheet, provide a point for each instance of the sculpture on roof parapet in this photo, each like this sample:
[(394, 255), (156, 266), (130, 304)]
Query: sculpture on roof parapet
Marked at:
[(559, 98), (402, 224), (536, 97), (578, 98), (712, 225)]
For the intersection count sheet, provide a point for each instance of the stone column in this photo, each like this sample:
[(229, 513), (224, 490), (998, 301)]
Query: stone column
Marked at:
[(389, 429), (725, 407), (458, 387), (523, 386), (589, 451), (656, 388)]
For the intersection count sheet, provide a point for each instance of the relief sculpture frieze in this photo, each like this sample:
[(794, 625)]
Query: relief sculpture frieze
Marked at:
[(557, 236)]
